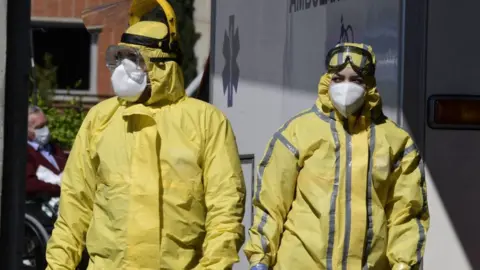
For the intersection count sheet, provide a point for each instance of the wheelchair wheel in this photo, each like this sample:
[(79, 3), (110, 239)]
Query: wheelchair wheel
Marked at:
[(35, 243)]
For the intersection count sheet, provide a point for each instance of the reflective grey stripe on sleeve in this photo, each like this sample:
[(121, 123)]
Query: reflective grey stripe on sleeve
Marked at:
[(348, 200), (369, 239), (263, 164), (407, 151), (269, 153), (424, 192), (321, 115), (421, 239), (260, 231), (421, 229), (287, 144), (331, 231)]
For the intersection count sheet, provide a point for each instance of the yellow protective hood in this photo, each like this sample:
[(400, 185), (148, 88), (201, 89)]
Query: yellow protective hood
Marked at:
[(166, 79), (141, 7), (373, 104)]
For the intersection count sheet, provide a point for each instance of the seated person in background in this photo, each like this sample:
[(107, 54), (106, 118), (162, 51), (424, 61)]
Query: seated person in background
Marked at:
[(45, 161)]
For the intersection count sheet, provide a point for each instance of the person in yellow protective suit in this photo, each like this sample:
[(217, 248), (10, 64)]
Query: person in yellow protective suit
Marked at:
[(154, 178), (340, 186)]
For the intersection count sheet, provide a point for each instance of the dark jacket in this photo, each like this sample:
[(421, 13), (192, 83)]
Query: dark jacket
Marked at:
[(36, 187)]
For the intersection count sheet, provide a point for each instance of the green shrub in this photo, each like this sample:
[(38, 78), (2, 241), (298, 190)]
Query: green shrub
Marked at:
[(63, 123), (188, 37)]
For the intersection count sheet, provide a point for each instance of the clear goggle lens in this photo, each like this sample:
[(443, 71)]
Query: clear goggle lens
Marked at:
[(116, 54)]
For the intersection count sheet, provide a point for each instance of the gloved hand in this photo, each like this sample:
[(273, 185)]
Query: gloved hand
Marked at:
[(47, 176), (54, 202), (259, 266)]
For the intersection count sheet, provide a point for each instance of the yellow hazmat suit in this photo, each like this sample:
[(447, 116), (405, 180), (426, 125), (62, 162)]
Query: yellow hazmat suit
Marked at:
[(336, 194), (152, 185)]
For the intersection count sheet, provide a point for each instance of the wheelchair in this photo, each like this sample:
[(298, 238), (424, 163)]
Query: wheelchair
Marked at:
[(40, 216)]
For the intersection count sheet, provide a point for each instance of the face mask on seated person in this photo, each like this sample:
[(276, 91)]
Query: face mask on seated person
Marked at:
[(42, 135)]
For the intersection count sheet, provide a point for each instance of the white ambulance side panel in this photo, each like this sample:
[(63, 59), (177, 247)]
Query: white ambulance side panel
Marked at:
[(268, 56), (452, 155)]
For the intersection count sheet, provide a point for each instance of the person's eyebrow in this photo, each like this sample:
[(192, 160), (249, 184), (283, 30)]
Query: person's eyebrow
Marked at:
[(356, 77), (339, 75)]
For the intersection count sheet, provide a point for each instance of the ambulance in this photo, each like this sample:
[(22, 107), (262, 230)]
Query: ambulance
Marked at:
[(267, 58)]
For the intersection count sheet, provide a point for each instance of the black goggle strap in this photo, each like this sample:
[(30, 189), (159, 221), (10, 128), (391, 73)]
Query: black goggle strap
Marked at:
[(146, 42), (162, 44), (166, 59)]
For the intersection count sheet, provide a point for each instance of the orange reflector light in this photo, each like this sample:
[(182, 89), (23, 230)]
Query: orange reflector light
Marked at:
[(455, 112)]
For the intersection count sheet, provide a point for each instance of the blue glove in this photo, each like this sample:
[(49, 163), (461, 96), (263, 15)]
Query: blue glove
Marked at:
[(259, 266)]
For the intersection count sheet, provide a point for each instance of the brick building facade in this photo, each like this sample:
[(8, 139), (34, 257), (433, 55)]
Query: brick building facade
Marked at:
[(56, 21), (78, 53)]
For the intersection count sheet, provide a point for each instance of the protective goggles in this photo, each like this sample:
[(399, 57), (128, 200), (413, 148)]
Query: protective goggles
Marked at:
[(116, 54), (359, 59)]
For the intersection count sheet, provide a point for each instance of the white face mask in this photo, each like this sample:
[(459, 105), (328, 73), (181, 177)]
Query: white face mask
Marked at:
[(42, 135), (347, 97), (129, 80)]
